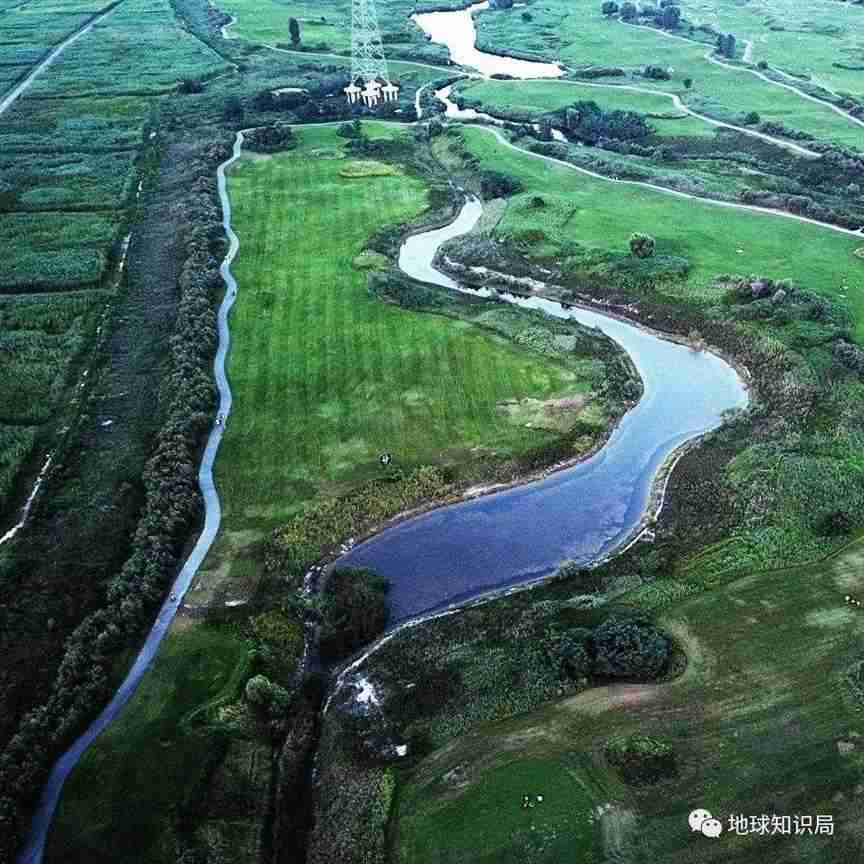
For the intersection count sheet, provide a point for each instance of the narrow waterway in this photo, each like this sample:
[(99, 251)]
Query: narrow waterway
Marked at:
[(456, 30), (582, 513), (32, 852)]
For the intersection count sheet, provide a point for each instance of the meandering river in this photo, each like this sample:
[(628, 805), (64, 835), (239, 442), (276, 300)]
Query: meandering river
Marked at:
[(460, 552), (582, 513)]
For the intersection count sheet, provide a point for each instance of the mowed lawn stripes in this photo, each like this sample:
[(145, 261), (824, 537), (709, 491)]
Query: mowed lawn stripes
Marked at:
[(325, 376)]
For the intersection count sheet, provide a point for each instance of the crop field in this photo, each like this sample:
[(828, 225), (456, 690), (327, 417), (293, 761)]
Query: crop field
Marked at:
[(157, 54), (761, 721), (41, 337), (578, 34), (716, 240), (16, 444), (55, 250), (68, 170)]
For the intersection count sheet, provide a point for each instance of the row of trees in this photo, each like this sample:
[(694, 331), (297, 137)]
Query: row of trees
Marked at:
[(588, 122), (667, 16)]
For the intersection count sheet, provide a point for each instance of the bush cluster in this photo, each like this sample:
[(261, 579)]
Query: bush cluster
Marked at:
[(270, 139), (640, 760), (586, 121), (354, 611)]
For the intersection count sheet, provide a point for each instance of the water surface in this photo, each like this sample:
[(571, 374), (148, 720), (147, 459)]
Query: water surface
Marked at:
[(582, 513), (456, 31)]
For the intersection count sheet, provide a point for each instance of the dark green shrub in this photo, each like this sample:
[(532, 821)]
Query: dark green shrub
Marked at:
[(355, 610), (642, 245), (641, 760), (630, 649), (495, 184)]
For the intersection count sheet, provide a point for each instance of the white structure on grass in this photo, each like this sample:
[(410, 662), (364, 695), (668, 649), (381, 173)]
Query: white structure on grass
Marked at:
[(370, 80)]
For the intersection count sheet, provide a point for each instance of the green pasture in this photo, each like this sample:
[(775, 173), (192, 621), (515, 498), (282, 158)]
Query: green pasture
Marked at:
[(325, 26), (809, 40), (322, 24), (550, 95), (599, 214), (576, 32), (765, 719), (483, 820), (120, 802)]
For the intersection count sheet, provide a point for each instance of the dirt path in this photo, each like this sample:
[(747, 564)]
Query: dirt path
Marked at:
[(681, 106), (709, 56), (666, 191)]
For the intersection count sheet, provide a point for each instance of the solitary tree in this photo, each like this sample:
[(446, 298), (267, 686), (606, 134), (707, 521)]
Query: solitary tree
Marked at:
[(688, 83), (726, 45), (642, 245), (670, 18), (294, 27), (610, 7)]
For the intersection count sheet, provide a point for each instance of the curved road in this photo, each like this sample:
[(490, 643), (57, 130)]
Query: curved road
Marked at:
[(712, 58), (32, 853), (681, 106), (665, 189)]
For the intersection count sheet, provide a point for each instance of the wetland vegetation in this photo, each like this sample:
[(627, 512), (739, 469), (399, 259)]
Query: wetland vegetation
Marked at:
[(717, 661)]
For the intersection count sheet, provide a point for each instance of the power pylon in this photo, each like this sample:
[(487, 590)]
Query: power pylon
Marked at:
[(368, 65)]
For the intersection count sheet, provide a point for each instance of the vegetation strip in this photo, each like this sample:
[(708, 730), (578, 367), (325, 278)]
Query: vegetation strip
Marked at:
[(32, 852)]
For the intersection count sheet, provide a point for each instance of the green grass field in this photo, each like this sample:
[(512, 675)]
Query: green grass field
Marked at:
[(324, 24), (794, 37), (538, 96), (599, 214), (765, 719), (486, 823), (267, 21), (576, 32), (119, 806), (325, 376)]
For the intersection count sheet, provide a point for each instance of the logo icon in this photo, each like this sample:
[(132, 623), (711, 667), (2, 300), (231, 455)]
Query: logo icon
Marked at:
[(702, 820)]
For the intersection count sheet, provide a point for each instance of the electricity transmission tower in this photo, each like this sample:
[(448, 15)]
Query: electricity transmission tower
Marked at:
[(368, 66)]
